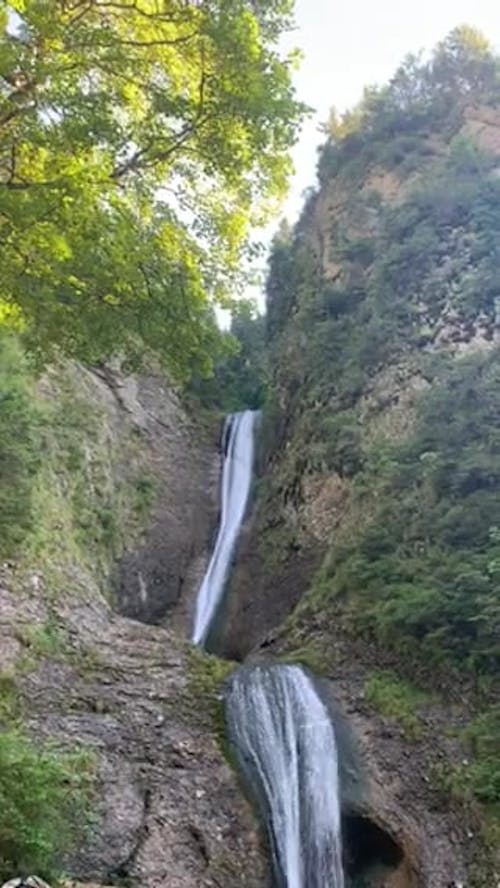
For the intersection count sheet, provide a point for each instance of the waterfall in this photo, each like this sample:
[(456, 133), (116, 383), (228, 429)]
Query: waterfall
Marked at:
[(277, 723), (285, 744), (238, 445)]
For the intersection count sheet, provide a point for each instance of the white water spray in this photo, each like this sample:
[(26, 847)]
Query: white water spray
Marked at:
[(238, 441), (285, 744)]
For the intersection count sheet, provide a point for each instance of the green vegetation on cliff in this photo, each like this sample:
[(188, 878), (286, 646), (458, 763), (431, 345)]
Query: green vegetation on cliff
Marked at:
[(44, 798), (239, 380), (19, 444), (385, 376), (45, 794), (422, 573), (60, 501), (421, 562)]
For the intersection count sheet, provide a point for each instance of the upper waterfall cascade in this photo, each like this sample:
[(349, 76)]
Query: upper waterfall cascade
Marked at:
[(285, 744), (238, 442)]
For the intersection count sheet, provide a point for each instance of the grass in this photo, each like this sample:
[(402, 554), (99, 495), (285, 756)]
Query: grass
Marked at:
[(145, 488), (312, 655), (10, 700), (43, 639), (396, 699), (46, 795), (20, 418), (206, 676), (92, 494)]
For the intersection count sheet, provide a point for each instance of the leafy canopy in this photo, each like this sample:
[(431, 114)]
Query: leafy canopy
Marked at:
[(423, 93), (139, 140)]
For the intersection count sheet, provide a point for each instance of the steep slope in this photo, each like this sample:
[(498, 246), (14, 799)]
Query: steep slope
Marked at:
[(378, 508), (126, 486)]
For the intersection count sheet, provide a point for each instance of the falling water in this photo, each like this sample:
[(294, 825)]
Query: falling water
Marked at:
[(280, 728), (238, 442), (285, 744)]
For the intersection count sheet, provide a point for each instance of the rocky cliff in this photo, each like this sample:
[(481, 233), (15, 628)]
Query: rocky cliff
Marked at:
[(371, 553), (134, 698)]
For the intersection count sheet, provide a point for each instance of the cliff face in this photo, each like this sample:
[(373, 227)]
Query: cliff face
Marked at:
[(166, 808), (378, 499)]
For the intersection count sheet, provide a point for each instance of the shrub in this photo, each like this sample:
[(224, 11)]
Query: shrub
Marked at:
[(19, 425), (44, 795), (396, 699), (484, 774)]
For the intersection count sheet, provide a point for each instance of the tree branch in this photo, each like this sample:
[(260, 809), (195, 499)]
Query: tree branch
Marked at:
[(139, 43)]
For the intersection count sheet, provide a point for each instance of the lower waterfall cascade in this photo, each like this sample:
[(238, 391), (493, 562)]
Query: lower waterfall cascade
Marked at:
[(285, 745)]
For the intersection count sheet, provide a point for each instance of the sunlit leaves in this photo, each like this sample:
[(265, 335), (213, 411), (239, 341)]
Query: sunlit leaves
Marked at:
[(106, 108)]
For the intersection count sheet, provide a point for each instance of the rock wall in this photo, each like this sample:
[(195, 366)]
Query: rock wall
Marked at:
[(162, 571), (302, 503), (167, 808), (387, 286)]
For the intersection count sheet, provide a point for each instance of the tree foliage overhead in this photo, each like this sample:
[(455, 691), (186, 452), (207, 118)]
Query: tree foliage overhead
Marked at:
[(139, 139)]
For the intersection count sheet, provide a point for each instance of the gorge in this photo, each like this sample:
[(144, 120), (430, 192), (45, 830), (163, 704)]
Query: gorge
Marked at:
[(271, 658)]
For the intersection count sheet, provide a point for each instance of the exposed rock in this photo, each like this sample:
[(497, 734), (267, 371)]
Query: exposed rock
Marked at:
[(170, 809), (387, 406), (260, 596), (326, 500), (384, 182), (388, 800), (482, 123), (184, 464), (150, 451)]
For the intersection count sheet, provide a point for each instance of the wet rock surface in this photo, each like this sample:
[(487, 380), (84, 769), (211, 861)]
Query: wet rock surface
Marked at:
[(184, 466), (257, 600), (398, 830)]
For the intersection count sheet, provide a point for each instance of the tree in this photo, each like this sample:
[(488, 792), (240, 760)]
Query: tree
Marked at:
[(280, 284), (421, 92), (240, 376), (139, 140)]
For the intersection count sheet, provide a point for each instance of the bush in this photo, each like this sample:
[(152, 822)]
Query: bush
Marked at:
[(19, 444), (44, 795), (423, 572), (396, 699), (484, 774)]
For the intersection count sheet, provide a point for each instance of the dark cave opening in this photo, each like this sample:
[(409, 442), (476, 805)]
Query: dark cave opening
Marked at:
[(370, 853)]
